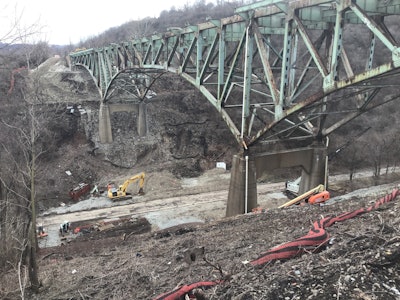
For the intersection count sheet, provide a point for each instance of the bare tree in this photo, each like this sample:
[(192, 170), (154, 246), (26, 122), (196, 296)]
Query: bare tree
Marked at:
[(353, 158), (20, 140), (377, 148), (28, 136), (18, 31), (390, 150), (24, 145)]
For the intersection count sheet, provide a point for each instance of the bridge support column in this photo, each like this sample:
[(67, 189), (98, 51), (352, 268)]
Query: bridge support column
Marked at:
[(242, 197), (317, 171), (142, 120), (312, 160), (105, 133)]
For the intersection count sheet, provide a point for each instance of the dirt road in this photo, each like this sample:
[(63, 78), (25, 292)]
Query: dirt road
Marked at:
[(179, 205), (162, 213)]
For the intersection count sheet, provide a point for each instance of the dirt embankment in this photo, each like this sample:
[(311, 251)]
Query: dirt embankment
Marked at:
[(361, 260)]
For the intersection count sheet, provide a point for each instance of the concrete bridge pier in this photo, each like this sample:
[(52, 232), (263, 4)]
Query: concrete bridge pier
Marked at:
[(316, 173), (105, 133), (105, 129), (142, 120), (242, 197)]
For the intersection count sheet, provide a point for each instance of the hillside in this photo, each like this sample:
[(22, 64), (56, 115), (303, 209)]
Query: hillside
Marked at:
[(138, 261), (185, 136), (176, 235), (360, 261)]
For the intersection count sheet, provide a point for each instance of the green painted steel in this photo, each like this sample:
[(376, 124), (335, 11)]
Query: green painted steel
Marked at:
[(276, 70)]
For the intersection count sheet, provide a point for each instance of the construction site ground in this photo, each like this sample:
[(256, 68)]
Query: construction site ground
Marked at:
[(174, 236), (190, 200)]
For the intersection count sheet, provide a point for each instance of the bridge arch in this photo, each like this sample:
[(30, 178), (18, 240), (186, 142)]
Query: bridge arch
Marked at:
[(276, 70)]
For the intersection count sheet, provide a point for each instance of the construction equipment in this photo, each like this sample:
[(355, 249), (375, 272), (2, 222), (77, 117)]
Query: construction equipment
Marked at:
[(64, 227), (40, 231), (121, 193), (292, 187), (95, 191), (319, 198), (79, 191), (313, 196)]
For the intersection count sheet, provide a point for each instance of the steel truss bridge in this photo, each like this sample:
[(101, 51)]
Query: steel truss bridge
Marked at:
[(275, 70)]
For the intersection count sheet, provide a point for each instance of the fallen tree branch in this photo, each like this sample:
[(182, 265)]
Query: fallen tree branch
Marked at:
[(217, 267), (48, 255)]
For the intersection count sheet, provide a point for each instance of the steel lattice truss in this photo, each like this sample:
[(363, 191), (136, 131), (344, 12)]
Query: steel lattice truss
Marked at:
[(276, 70)]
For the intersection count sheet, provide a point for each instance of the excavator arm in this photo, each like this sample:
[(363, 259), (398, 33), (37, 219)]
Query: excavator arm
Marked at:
[(137, 177), (121, 192)]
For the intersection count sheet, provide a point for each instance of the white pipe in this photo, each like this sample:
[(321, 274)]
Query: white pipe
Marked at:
[(246, 185), (326, 165), (326, 173)]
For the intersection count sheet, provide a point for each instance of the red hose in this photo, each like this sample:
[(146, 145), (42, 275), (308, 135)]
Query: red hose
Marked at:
[(317, 236), (183, 290)]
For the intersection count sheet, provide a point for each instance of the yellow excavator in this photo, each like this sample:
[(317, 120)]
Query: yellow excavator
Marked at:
[(121, 193)]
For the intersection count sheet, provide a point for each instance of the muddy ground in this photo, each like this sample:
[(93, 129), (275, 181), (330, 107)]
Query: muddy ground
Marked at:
[(132, 261)]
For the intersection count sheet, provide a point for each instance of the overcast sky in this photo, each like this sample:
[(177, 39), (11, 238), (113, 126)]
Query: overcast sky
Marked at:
[(71, 21)]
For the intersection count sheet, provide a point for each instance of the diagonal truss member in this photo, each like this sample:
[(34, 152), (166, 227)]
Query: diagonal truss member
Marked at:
[(276, 70)]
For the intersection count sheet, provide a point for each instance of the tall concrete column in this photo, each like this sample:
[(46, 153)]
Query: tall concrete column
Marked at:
[(243, 187), (142, 120), (105, 133), (317, 168)]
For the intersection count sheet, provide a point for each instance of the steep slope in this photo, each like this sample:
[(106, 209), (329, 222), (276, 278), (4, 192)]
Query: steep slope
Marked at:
[(185, 137), (360, 261)]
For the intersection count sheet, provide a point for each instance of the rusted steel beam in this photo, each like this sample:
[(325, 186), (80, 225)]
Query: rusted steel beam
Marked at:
[(271, 70)]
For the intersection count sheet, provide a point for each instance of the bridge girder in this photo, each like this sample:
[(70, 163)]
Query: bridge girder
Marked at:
[(276, 70)]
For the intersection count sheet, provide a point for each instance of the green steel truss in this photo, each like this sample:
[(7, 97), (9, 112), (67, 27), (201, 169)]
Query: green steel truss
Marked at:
[(276, 70)]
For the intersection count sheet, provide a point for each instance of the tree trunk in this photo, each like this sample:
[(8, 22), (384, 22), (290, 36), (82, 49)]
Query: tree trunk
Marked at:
[(33, 243), (32, 264)]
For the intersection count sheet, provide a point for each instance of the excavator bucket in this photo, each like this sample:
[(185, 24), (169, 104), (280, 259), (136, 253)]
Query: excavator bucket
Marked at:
[(141, 192)]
